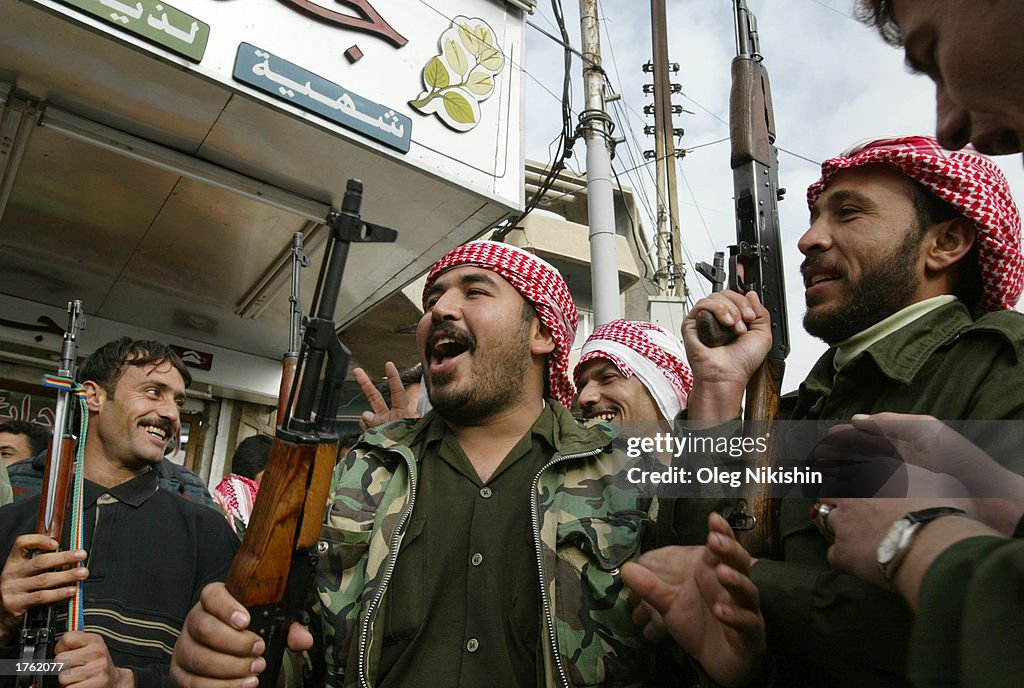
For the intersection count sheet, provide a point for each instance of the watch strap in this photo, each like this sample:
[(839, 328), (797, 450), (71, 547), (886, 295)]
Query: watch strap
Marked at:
[(917, 520)]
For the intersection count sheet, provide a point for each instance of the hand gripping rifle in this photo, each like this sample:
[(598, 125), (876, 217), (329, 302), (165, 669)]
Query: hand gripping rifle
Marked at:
[(758, 251), (39, 627), (273, 570)]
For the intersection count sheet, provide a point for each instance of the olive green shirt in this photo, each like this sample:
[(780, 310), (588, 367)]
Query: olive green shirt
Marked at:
[(467, 574), (970, 625), (828, 628)]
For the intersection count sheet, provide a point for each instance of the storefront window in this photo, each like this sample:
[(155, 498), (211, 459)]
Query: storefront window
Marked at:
[(22, 401)]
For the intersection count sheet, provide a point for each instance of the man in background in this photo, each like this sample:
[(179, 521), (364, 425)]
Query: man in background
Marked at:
[(631, 370), (21, 440), (236, 493)]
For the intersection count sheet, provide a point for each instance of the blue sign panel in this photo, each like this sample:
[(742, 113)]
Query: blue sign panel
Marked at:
[(291, 83)]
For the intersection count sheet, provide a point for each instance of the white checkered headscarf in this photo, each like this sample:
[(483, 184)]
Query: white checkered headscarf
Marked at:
[(539, 283), (649, 352), (969, 182)]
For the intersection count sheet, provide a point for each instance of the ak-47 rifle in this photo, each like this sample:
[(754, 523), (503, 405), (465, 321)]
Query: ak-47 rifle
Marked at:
[(290, 359), (273, 570), (758, 250), (38, 630)]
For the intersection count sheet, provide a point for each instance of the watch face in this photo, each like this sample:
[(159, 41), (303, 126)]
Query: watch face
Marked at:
[(890, 544)]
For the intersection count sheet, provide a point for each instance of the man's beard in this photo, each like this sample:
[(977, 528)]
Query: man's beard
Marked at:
[(495, 383), (884, 288)]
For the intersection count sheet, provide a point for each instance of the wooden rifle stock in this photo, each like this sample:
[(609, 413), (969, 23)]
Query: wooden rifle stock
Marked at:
[(273, 568), (287, 516), (762, 536), (755, 265), (38, 629), (272, 572), (62, 493), (289, 362)]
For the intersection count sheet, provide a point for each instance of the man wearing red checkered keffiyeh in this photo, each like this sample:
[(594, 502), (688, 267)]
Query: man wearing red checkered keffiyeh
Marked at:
[(912, 264), (902, 233), (498, 488), (536, 282), (632, 370)]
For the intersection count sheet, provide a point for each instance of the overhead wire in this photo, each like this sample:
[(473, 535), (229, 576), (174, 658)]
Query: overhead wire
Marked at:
[(644, 167), (620, 111), (629, 135), (565, 140)]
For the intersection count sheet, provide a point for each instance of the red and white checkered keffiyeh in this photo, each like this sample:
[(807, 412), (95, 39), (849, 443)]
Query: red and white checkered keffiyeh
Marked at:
[(236, 494), (649, 352), (967, 181), (539, 283)]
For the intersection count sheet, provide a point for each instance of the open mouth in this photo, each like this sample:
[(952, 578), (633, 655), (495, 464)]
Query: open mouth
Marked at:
[(444, 348), (815, 276), (156, 430), (594, 416), (818, 280)]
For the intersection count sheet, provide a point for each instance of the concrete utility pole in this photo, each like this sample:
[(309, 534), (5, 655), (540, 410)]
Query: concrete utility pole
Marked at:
[(671, 269), (596, 126)]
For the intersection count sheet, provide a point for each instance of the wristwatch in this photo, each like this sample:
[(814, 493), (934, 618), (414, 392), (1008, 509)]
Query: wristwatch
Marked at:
[(894, 546)]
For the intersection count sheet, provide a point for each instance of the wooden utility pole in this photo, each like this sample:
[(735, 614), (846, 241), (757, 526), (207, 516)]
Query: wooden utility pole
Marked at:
[(671, 269)]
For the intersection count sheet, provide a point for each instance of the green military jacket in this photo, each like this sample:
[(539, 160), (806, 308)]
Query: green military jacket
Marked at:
[(829, 628), (970, 629), (970, 623), (587, 521)]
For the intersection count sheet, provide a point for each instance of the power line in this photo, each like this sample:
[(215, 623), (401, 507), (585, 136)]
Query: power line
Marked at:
[(839, 12), (797, 155)]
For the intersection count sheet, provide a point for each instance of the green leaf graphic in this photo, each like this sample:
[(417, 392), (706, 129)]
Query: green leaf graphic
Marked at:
[(480, 83), (458, 108), (456, 57), (484, 35), (470, 40), (492, 60), (435, 74)]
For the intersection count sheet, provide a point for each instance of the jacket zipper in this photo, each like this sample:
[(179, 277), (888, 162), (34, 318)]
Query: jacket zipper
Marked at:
[(537, 547), (389, 568)]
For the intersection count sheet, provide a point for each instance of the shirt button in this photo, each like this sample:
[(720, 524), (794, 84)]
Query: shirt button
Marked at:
[(473, 645), (477, 559), (485, 492)]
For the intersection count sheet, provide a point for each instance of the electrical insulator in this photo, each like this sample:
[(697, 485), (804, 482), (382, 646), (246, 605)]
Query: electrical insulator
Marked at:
[(649, 67), (677, 109), (649, 129), (674, 66), (648, 109), (649, 155), (648, 88), (676, 88)]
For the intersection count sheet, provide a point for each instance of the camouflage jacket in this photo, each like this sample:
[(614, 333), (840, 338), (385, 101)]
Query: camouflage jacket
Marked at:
[(587, 521)]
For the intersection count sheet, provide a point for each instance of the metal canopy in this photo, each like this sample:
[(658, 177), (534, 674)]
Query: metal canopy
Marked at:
[(165, 200)]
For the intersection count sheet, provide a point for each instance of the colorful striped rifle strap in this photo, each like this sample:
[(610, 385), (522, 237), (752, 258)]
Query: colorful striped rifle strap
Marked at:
[(75, 614)]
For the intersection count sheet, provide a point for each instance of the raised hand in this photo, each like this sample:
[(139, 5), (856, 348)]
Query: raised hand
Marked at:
[(704, 598), (402, 405)]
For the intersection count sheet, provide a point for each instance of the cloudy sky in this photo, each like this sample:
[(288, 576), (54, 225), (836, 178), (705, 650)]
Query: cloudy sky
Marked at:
[(834, 82)]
